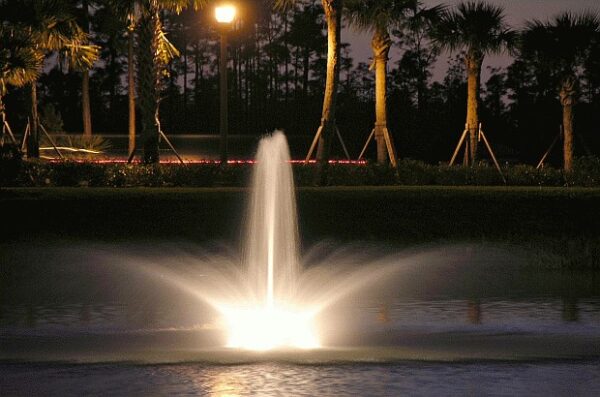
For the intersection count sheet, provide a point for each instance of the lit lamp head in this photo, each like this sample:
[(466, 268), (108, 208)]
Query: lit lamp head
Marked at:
[(225, 13)]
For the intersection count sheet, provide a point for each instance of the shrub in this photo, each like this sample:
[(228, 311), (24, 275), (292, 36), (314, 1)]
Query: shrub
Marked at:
[(10, 164), (15, 172)]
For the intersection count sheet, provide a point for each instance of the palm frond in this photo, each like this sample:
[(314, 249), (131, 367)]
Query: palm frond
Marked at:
[(20, 63), (80, 56), (562, 41), (165, 50), (378, 15), (476, 26)]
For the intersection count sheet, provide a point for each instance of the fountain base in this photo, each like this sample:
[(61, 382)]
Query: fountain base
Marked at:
[(267, 328)]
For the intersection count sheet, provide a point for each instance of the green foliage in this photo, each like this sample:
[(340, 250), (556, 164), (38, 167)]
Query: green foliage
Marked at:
[(78, 147), (19, 62), (378, 15), (586, 173), (476, 26), (10, 164), (51, 119)]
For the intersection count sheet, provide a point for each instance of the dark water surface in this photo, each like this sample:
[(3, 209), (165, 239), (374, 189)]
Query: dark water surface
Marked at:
[(86, 319), (274, 379)]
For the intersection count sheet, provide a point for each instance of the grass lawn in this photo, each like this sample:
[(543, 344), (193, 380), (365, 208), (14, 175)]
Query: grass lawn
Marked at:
[(558, 221)]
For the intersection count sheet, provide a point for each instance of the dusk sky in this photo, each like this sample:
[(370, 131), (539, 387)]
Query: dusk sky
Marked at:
[(517, 11)]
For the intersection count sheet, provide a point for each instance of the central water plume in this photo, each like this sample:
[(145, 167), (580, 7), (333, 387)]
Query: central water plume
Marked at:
[(271, 245)]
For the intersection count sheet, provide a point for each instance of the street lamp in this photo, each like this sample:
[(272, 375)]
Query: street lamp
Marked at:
[(224, 14)]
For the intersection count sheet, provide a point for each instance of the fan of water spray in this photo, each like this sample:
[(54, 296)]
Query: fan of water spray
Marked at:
[(270, 318)]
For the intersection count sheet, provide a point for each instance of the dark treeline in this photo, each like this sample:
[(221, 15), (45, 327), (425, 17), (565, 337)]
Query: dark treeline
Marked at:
[(277, 72)]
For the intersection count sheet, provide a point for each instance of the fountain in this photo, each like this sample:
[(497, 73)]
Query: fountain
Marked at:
[(269, 317), (172, 301)]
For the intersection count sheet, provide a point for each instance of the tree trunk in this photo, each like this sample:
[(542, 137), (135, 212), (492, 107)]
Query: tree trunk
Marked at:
[(567, 100), (381, 46), (333, 14), (85, 83), (131, 90), (2, 116), (147, 90), (473, 63), (33, 141)]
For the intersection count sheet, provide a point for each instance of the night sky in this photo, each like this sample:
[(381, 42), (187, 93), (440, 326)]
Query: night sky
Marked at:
[(517, 12)]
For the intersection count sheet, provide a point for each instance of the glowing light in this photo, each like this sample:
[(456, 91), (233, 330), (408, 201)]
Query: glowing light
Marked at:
[(225, 13), (71, 149), (205, 161), (268, 328)]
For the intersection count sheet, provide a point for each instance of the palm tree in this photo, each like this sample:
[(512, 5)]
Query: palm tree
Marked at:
[(154, 53), (129, 12), (333, 16), (51, 26), (85, 77), (479, 29), (561, 46), (20, 64), (380, 16)]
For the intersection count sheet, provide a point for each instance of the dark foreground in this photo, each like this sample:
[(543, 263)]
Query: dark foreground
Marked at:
[(561, 226)]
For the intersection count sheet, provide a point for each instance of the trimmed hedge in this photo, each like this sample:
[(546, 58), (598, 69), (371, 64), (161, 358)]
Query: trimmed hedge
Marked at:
[(16, 172)]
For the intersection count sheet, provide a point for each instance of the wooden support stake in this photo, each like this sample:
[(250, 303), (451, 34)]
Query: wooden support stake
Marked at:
[(314, 144), (389, 143), (316, 140), (364, 149), (460, 142), (51, 141), (337, 131), (132, 154), (556, 138), (9, 132), (25, 136), (489, 148), (162, 134)]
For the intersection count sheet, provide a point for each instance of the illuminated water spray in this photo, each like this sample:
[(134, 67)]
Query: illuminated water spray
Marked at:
[(271, 318), (271, 246)]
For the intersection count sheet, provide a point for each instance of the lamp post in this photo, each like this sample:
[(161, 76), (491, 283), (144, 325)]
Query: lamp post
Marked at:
[(224, 15)]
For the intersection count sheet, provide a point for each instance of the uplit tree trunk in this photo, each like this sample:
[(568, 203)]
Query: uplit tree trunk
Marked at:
[(2, 112), (473, 64), (381, 46), (131, 89), (333, 15), (147, 90), (85, 101), (33, 141), (567, 100), (85, 83)]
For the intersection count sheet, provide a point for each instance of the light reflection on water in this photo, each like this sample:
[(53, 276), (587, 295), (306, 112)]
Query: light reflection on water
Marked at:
[(535, 314), (433, 379)]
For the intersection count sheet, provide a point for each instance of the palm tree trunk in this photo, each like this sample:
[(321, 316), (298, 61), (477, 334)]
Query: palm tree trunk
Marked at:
[(381, 46), (147, 93), (2, 114), (131, 90), (85, 83), (33, 141), (85, 100), (473, 63), (567, 100), (333, 14)]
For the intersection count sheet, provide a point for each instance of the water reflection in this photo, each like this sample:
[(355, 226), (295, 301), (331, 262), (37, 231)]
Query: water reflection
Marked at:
[(533, 315), (570, 309), (430, 379), (474, 311)]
